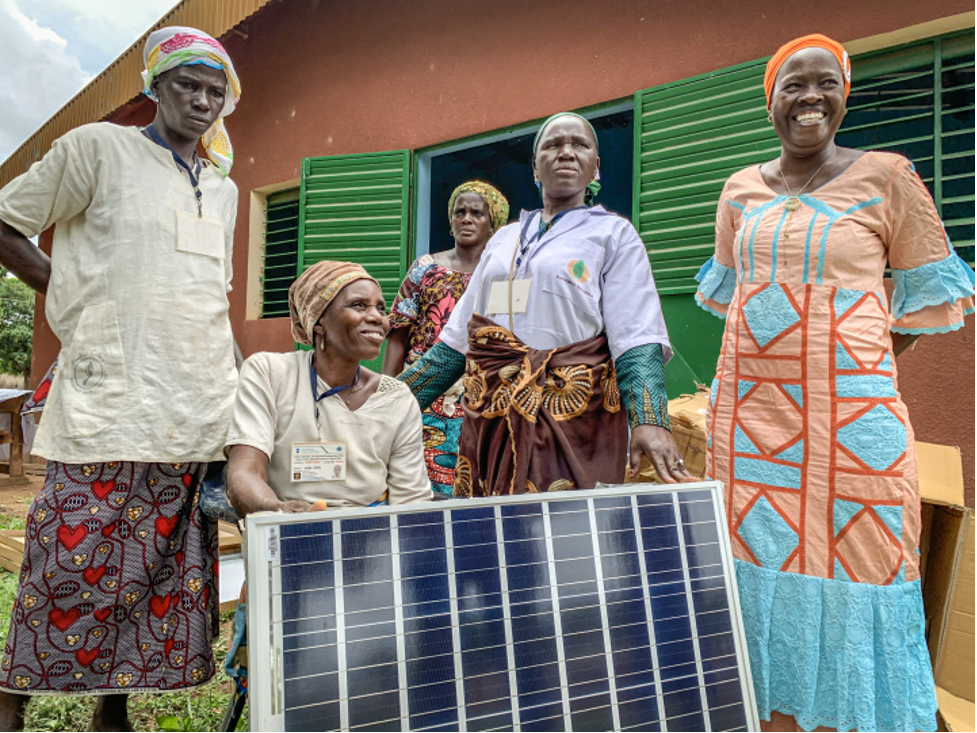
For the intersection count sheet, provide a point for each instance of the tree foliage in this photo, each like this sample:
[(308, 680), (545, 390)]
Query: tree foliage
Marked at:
[(16, 325)]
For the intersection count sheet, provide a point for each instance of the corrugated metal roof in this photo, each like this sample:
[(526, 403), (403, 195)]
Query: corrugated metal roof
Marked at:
[(120, 82)]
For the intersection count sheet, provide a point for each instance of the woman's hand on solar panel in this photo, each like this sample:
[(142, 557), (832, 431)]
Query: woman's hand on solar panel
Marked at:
[(657, 443), (247, 484)]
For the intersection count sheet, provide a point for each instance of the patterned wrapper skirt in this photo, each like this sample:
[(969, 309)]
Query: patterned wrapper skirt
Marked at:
[(538, 420), (118, 587)]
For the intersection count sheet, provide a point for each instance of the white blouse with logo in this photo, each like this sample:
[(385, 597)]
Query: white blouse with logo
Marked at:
[(589, 274)]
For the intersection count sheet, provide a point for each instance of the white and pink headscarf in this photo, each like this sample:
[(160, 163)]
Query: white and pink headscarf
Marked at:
[(175, 46)]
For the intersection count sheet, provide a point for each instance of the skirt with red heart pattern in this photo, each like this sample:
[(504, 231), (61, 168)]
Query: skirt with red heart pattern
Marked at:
[(118, 588)]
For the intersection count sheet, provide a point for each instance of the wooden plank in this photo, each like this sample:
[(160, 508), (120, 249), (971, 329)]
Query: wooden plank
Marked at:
[(229, 538)]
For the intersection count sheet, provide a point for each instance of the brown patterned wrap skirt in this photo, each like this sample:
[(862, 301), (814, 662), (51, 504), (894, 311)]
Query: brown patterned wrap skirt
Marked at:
[(118, 587), (538, 420)]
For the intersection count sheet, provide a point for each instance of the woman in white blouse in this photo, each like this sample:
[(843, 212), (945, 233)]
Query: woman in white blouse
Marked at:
[(314, 426), (561, 340)]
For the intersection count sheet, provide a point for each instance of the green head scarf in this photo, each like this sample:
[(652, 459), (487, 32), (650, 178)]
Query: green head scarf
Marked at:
[(593, 188)]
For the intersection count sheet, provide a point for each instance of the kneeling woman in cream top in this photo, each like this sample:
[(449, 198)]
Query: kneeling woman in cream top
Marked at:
[(312, 426)]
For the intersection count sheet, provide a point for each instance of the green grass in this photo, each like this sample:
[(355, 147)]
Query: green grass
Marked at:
[(199, 710), (10, 522)]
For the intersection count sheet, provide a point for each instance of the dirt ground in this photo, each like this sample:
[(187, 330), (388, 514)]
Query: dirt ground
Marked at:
[(16, 500)]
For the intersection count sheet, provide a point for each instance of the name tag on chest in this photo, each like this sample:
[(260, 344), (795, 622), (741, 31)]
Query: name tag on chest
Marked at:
[(498, 300), (318, 462), (200, 235)]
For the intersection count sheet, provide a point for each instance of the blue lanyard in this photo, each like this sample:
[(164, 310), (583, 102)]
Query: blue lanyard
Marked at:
[(524, 245), (314, 380), (194, 173)]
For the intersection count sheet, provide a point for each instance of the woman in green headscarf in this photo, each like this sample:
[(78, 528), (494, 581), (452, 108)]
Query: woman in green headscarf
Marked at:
[(434, 284), (561, 340)]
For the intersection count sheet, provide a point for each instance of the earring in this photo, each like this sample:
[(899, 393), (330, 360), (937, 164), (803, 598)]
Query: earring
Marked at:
[(597, 174), (539, 186), (769, 117)]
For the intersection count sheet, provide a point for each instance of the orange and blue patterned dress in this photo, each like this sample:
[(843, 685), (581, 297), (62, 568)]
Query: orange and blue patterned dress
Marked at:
[(810, 436)]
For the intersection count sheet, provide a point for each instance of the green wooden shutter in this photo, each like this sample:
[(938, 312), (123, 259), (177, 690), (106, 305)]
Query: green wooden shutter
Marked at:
[(356, 208), (281, 252), (918, 100), (690, 136)]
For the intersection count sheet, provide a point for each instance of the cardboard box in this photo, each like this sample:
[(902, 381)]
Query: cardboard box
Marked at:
[(687, 415), (947, 547)]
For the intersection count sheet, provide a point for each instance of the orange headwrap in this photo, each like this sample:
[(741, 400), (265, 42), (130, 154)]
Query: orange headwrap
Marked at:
[(311, 293), (815, 40)]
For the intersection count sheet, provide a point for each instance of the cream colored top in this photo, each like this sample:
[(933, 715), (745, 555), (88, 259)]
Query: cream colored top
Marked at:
[(146, 369), (274, 409)]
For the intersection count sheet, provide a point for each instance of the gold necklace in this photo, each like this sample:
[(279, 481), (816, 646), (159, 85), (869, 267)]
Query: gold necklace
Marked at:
[(793, 202)]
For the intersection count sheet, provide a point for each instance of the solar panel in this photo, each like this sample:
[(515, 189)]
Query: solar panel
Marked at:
[(611, 609)]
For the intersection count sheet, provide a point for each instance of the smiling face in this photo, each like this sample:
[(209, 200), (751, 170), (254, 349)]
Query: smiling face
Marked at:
[(566, 158), (190, 98), (355, 323), (471, 225), (807, 105)]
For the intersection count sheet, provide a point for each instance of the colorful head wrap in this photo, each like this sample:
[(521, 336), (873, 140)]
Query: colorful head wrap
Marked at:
[(314, 290), (815, 40), (498, 205), (593, 188), (175, 46)]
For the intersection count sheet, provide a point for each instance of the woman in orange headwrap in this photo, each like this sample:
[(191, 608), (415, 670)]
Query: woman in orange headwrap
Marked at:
[(807, 429)]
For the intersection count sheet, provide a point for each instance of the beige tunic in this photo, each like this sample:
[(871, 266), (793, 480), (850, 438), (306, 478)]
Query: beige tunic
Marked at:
[(274, 409), (146, 371)]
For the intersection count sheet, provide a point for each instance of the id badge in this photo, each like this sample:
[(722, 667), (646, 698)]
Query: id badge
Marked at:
[(498, 300), (318, 462), (201, 235)]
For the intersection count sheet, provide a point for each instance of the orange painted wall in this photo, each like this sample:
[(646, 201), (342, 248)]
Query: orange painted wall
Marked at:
[(322, 77)]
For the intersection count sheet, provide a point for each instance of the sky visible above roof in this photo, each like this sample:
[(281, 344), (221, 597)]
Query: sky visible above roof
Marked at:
[(49, 50)]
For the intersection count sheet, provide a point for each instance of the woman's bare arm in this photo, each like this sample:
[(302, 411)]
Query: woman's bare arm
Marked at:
[(25, 260), (247, 484), (393, 357), (902, 341)]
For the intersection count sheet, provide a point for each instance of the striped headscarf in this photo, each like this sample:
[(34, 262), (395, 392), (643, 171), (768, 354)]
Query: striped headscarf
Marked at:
[(815, 40), (314, 290), (498, 205), (175, 46)]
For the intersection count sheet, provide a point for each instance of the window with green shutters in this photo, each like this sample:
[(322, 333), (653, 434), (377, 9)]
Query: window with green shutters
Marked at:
[(690, 136), (355, 208), (281, 251), (918, 100)]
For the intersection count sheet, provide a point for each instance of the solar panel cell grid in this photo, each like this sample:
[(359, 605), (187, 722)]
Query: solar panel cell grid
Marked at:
[(587, 611)]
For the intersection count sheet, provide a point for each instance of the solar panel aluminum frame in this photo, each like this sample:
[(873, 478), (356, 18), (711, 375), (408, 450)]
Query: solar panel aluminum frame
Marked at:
[(266, 663)]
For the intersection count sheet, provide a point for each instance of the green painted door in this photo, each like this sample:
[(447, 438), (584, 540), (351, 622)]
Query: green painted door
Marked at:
[(355, 208)]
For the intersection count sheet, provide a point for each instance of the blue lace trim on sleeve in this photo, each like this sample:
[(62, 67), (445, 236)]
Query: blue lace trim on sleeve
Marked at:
[(932, 329), (944, 281), (716, 281), (805, 634)]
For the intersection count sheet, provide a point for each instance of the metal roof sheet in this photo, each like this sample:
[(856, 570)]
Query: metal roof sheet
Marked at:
[(120, 82)]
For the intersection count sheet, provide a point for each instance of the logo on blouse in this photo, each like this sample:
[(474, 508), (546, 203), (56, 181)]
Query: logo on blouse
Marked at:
[(578, 271), (88, 372)]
